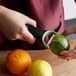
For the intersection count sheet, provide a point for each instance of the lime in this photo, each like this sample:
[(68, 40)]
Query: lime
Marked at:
[(40, 68), (59, 43)]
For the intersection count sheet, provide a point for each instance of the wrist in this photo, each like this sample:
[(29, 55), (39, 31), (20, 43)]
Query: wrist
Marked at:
[(2, 8)]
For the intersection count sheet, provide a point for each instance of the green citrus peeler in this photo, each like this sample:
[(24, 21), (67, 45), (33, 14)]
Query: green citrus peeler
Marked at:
[(39, 33)]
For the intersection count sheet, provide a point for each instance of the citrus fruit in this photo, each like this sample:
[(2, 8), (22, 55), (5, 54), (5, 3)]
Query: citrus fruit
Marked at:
[(40, 68), (59, 43), (18, 61)]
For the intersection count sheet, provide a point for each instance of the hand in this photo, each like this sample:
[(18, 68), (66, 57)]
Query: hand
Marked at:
[(70, 30), (70, 54), (12, 24)]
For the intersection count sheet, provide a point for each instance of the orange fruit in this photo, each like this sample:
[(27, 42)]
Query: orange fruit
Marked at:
[(18, 61)]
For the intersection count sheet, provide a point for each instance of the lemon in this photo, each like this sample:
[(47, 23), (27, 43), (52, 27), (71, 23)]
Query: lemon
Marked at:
[(59, 43), (40, 68)]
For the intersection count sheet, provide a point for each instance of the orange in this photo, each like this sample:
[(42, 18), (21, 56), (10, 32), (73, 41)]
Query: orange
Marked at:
[(18, 61)]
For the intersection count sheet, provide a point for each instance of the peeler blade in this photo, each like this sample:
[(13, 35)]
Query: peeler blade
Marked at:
[(49, 42)]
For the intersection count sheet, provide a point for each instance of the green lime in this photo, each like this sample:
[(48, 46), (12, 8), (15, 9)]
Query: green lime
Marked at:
[(59, 43)]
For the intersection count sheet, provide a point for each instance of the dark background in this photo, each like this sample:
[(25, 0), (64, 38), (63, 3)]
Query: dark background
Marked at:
[(69, 23)]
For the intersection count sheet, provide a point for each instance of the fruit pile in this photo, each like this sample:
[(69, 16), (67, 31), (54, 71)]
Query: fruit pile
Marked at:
[(19, 62)]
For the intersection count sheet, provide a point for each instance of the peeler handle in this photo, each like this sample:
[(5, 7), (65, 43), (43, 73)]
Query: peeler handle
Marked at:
[(39, 33), (36, 32)]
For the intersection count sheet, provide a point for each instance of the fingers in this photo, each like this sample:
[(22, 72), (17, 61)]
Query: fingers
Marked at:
[(70, 30), (24, 34), (71, 57), (27, 36), (62, 57), (66, 53), (66, 58), (74, 57), (31, 22), (69, 52), (67, 32)]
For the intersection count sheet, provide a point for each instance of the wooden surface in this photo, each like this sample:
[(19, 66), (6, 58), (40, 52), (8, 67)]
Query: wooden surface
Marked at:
[(60, 67)]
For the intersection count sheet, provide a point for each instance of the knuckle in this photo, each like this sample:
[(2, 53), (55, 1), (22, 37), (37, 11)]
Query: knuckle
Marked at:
[(34, 22), (12, 38), (21, 31)]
